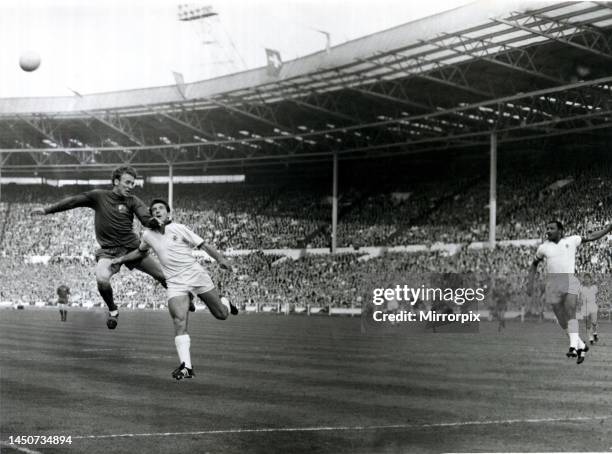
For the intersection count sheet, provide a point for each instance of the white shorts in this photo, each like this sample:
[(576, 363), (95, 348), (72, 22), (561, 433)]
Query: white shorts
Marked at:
[(589, 309), (195, 281), (558, 285)]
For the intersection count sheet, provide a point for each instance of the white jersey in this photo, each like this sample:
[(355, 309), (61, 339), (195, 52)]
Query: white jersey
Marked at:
[(174, 248), (560, 257), (588, 295)]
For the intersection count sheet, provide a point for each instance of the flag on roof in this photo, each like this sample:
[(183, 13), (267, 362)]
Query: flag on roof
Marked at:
[(180, 83), (275, 63)]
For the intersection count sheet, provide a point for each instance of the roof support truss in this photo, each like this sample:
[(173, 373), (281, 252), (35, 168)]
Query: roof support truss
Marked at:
[(420, 67), (578, 35), (43, 126), (119, 124), (518, 59)]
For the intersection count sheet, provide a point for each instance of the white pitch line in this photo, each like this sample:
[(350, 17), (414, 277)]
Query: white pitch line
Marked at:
[(18, 448), (65, 358), (345, 428)]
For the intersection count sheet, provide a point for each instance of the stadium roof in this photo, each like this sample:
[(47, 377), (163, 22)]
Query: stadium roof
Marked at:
[(530, 71)]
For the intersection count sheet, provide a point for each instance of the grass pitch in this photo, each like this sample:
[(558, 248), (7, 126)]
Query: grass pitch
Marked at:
[(269, 383)]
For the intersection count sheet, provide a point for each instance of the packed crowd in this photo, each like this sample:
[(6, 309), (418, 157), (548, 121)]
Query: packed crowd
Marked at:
[(259, 279), (28, 283), (343, 280), (445, 208)]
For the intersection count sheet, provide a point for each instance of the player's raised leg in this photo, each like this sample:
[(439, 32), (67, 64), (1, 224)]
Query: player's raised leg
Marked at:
[(152, 268), (104, 271), (220, 307), (148, 265), (178, 306)]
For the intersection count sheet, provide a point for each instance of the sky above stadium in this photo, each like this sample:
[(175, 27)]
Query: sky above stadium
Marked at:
[(100, 46)]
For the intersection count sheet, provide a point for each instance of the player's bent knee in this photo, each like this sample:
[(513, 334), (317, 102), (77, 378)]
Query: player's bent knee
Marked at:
[(180, 326), (104, 284), (219, 311), (221, 314), (103, 276), (214, 304)]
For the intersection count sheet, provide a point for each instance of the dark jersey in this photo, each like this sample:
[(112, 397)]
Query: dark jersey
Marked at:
[(114, 216), (62, 294)]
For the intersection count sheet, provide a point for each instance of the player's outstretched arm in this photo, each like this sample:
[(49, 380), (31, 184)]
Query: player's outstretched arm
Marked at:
[(533, 269), (222, 261), (81, 200), (143, 214), (594, 236)]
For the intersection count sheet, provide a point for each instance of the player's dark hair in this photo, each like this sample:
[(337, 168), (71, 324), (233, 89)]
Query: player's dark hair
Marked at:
[(558, 224), (119, 171), (154, 201)]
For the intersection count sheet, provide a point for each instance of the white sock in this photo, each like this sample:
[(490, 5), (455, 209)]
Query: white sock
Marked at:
[(573, 340), (226, 303), (573, 328), (183, 342)]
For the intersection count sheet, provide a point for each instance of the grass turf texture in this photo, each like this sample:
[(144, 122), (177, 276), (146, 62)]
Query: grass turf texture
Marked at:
[(259, 372)]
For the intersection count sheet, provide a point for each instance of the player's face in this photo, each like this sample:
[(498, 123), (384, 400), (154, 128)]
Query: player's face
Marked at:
[(160, 212), (124, 185), (588, 280), (552, 232)]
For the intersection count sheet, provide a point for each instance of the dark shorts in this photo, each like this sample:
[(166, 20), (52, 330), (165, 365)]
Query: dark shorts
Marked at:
[(114, 252)]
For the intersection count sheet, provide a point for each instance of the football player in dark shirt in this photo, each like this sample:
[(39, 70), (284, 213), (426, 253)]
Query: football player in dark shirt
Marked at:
[(115, 209), (62, 299)]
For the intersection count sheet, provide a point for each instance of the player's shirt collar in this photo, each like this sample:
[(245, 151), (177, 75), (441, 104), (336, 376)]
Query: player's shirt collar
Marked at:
[(163, 230), (118, 197)]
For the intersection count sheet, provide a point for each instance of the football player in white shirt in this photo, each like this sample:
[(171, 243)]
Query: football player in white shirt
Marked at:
[(588, 299), (174, 243), (561, 285)]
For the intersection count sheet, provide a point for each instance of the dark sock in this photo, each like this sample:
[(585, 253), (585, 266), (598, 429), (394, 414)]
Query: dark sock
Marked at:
[(106, 292)]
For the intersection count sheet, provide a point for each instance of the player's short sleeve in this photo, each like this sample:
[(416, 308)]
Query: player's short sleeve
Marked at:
[(140, 209), (576, 240), (190, 237)]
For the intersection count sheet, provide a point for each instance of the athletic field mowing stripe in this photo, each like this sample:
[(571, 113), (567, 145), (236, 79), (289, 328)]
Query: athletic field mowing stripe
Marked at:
[(270, 383)]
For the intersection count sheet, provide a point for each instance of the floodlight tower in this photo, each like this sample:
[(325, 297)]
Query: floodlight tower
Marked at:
[(219, 47)]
